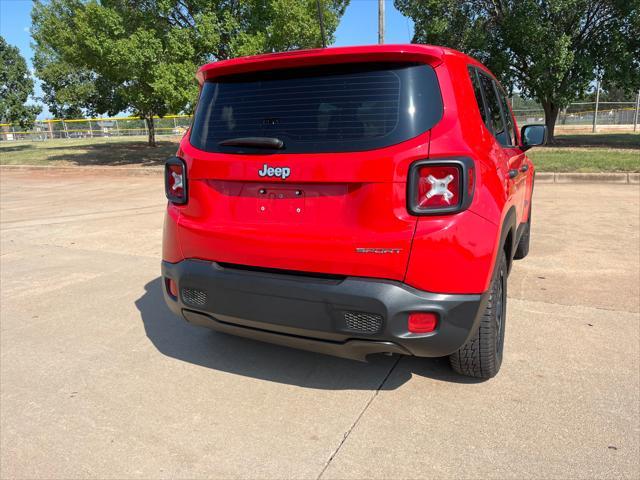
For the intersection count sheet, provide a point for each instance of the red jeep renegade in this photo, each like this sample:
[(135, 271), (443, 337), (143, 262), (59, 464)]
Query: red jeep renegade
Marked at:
[(351, 201)]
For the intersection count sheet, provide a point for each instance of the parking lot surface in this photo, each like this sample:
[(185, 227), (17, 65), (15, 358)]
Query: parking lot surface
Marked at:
[(98, 379)]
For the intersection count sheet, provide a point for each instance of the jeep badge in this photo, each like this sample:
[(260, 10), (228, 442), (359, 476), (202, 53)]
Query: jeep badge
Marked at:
[(281, 172)]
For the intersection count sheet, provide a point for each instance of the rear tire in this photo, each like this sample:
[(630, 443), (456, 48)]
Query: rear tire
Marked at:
[(481, 356), (522, 250)]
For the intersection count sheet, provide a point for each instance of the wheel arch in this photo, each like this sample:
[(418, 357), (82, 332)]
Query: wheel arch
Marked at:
[(508, 236)]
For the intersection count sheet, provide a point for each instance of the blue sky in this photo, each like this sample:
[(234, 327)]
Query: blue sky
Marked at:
[(359, 26)]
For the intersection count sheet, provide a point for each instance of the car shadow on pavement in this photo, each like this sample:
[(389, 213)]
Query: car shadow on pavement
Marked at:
[(174, 337), (14, 148), (114, 152)]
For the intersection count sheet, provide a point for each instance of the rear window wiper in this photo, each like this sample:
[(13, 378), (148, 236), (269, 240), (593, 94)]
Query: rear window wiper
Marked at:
[(255, 142)]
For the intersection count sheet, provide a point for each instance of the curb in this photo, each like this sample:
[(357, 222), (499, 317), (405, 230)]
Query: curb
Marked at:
[(88, 170), (557, 177), (541, 177)]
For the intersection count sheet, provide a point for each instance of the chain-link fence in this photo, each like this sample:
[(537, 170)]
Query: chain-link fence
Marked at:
[(95, 127), (619, 115)]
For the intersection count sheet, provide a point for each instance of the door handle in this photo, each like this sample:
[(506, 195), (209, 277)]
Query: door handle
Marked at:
[(524, 168), (513, 173)]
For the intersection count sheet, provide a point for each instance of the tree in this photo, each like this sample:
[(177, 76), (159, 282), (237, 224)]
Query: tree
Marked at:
[(16, 85), (551, 50), (108, 56), (611, 92)]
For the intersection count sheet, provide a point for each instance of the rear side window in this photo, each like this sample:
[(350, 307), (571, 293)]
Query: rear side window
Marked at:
[(329, 109), (508, 119), (494, 107), (477, 90), (497, 125)]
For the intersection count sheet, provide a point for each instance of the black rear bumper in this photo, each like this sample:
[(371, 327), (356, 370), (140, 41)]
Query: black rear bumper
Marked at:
[(348, 317)]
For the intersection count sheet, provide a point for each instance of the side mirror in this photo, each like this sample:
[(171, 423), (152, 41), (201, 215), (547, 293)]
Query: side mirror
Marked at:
[(533, 136)]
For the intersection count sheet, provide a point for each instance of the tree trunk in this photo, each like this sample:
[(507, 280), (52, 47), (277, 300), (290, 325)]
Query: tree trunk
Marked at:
[(550, 116), (152, 130)]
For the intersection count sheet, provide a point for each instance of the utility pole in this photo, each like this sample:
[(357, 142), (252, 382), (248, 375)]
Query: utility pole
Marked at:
[(635, 118), (380, 22), (595, 113)]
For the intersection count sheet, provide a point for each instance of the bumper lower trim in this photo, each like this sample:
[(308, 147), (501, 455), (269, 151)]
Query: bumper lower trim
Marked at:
[(311, 313), (351, 349)]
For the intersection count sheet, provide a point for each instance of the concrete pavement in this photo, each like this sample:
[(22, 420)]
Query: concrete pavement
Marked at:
[(99, 380)]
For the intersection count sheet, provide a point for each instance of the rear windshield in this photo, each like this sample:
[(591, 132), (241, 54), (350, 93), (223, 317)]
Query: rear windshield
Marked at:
[(330, 109)]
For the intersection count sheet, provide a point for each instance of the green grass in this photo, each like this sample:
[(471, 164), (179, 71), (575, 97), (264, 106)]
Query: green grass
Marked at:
[(585, 160), (122, 151), (608, 152), (589, 153)]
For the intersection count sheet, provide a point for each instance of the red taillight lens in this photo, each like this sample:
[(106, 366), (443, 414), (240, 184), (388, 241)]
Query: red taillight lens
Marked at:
[(422, 322), (176, 180), (440, 186)]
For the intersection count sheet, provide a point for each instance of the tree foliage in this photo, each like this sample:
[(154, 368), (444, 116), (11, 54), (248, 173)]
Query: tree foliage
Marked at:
[(108, 56), (16, 85), (551, 50)]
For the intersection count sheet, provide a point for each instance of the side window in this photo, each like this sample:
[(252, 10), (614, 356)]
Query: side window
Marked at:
[(477, 90), (496, 125), (511, 130)]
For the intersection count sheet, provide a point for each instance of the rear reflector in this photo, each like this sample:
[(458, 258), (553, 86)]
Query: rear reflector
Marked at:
[(172, 288), (423, 322)]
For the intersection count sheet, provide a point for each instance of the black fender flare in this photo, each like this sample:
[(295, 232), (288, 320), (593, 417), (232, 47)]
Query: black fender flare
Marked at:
[(509, 226)]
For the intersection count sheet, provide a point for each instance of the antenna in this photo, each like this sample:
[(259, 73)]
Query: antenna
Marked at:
[(321, 19)]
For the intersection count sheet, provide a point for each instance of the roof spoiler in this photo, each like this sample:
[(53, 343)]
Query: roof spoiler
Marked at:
[(323, 56)]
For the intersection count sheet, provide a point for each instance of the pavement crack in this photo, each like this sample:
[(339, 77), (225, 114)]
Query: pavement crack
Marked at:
[(357, 420)]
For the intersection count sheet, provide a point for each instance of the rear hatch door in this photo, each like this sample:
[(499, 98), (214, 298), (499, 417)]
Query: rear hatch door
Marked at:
[(305, 170)]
